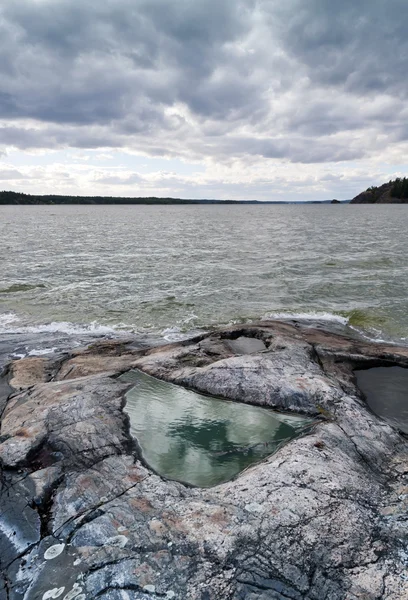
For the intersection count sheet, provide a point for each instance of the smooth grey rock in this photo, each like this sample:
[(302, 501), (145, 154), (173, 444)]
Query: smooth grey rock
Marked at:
[(323, 518), (20, 526)]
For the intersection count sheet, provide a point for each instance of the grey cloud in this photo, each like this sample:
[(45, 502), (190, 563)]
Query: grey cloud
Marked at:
[(299, 149), (259, 187), (23, 139), (117, 180), (97, 62), (11, 174), (361, 45), (105, 74)]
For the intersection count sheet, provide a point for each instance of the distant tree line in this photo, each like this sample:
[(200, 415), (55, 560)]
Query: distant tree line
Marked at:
[(7, 197), (19, 198)]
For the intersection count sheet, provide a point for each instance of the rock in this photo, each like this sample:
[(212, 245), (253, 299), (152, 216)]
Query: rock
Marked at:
[(29, 372), (324, 517), (73, 421), (382, 194), (5, 391)]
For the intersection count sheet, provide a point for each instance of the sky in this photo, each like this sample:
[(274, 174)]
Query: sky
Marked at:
[(227, 99)]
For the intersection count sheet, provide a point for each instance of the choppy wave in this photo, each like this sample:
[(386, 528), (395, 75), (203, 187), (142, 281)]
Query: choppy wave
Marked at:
[(21, 287), (42, 351), (167, 273), (173, 334), (9, 324), (363, 329), (307, 316)]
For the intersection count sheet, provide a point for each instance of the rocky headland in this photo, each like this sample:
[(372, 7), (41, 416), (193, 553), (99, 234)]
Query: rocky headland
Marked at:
[(393, 192), (82, 516)]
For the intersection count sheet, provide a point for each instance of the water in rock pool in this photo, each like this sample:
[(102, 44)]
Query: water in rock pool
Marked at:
[(201, 440), (386, 390)]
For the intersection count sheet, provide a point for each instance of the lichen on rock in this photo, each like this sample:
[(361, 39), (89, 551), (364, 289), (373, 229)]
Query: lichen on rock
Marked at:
[(324, 517)]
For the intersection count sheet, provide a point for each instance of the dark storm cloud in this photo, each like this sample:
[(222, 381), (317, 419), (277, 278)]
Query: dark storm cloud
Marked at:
[(359, 44), (293, 76), (94, 62)]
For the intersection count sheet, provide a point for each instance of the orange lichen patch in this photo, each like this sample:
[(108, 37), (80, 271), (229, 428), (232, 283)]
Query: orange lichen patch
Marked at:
[(157, 527), (104, 348), (174, 523), (82, 366), (160, 349), (29, 371), (161, 556), (219, 517), (145, 574), (86, 481), (387, 511), (400, 464), (141, 504), (136, 476), (301, 383)]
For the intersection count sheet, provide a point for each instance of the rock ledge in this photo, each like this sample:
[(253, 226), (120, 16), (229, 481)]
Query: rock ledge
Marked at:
[(82, 517)]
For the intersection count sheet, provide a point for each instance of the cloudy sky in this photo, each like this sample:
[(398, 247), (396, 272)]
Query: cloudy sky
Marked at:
[(243, 99)]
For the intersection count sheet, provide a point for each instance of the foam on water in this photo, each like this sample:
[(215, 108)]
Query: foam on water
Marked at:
[(9, 321), (374, 335), (304, 316), (370, 334), (176, 334), (41, 351), (173, 334)]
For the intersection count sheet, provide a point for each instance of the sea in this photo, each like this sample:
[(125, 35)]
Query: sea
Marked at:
[(164, 273)]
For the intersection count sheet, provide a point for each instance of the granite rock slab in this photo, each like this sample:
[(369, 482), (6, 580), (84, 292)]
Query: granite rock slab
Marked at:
[(82, 516)]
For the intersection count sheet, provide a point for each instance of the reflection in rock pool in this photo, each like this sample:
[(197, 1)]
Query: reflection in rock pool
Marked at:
[(199, 439), (386, 390)]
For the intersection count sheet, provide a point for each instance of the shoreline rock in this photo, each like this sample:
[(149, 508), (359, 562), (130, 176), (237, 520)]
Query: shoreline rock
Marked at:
[(324, 517), (382, 194)]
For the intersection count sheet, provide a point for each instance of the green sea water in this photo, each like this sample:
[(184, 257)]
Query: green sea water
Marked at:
[(175, 269)]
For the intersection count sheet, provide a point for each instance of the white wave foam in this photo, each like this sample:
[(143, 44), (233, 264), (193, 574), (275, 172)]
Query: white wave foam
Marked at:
[(173, 334), (41, 351), (312, 316), (7, 318), (176, 334), (8, 323), (374, 336)]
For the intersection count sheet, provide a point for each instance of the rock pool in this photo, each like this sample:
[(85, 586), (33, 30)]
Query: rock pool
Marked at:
[(201, 440), (386, 390)]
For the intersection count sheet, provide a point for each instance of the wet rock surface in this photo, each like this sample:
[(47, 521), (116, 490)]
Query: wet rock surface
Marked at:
[(82, 517)]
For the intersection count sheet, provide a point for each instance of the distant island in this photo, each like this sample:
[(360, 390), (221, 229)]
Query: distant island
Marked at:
[(7, 197), (393, 192)]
